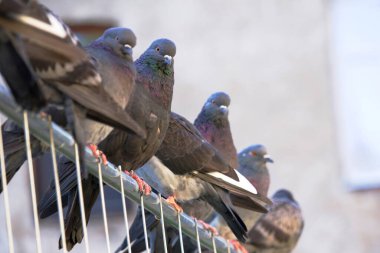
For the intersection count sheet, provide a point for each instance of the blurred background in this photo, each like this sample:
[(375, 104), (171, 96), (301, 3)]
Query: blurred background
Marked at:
[(303, 79)]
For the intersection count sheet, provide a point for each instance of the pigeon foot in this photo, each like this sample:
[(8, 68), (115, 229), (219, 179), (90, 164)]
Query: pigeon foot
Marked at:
[(173, 203), (98, 153), (144, 188)]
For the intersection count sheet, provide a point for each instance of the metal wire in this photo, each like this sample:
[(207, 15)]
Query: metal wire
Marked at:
[(57, 187), (144, 223), (197, 236), (163, 224), (81, 200), (32, 182), (213, 244), (111, 176), (180, 232), (104, 210), (125, 210), (5, 194)]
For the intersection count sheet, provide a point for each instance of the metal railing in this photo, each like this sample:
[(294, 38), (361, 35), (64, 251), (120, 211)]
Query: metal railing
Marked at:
[(111, 175)]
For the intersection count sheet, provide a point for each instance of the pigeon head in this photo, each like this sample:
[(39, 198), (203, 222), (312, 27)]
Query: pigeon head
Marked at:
[(120, 40), (284, 195), (255, 155), (159, 56), (252, 164), (216, 106)]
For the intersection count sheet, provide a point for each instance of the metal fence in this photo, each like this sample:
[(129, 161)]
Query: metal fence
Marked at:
[(59, 140)]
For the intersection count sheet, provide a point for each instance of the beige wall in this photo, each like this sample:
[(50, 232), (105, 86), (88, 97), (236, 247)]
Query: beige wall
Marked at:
[(272, 58)]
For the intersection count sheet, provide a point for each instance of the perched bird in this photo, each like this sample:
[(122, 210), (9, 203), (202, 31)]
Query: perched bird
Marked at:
[(43, 63), (279, 230), (253, 165), (212, 122), (150, 106), (187, 167), (112, 58)]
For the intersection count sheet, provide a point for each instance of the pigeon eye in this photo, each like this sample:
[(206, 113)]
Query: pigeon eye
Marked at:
[(213, 101), (253, 153), (157, 49)]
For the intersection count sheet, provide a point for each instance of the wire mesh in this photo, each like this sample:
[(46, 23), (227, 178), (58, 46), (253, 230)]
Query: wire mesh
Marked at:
[(111, 176)]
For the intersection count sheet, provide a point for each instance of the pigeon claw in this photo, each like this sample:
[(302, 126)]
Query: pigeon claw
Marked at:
[(238, 246), (98, 153), (209, 227), (144, 188), (171, 201)]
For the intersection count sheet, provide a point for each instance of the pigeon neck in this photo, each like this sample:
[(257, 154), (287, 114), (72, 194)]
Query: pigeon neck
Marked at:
[(158, 84), (258, 175), (218, 135)]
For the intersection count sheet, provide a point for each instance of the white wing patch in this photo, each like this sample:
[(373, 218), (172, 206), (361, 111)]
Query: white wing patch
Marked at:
[(243, 182), (56, 72), (55, 27)]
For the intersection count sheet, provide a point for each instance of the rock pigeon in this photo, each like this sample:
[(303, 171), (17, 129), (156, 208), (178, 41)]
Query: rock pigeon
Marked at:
[(253, 165), (187, 167), (150, 106), (110, 56), (279, 230), (212, 122), (43, 63)]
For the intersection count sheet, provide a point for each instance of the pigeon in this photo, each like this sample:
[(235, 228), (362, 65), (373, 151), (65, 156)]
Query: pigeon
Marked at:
[(187, 167), (212, 122), (44, 63), (149, 105), (253, 165), (214, 125), (111, 57), (279, 230)]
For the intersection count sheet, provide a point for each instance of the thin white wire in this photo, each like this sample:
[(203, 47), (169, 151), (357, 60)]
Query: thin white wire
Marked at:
[(144, 223), (228, 246), (163, 224), (5, 194), (32, 182), (213, 244), (104, 210), (81, 201), (125, 210), (197, 236), (57, 187), (180, 232)]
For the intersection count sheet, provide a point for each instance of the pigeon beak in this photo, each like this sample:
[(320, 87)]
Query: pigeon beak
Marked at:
[(268, 159), (223, 109), (127, 49), (168, 59)]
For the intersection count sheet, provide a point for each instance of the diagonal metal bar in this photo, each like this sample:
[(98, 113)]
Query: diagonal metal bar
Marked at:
[(213, 245), (32, 181), (197, 237), (144, 223), (104, 210), (111, 176), (6, 196), (163, 225), (57, 187), (180, 232), (81, 198), (125, 211)]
